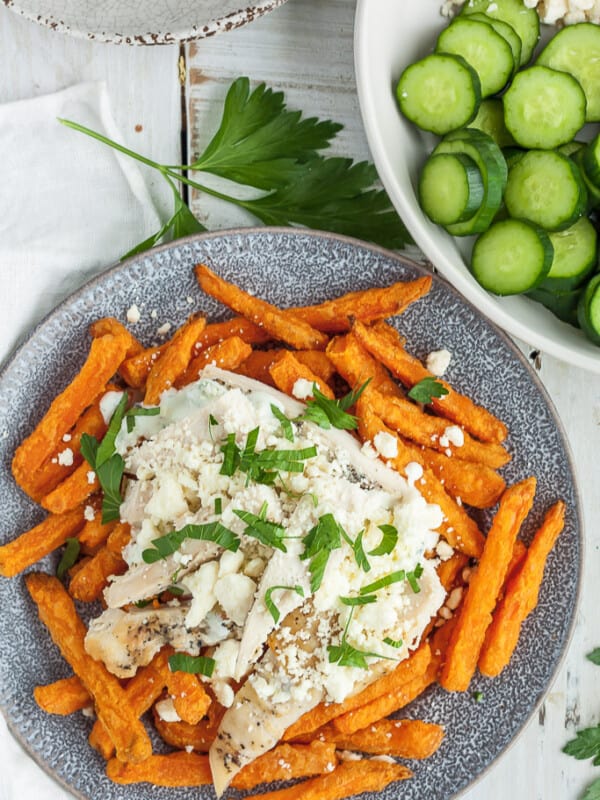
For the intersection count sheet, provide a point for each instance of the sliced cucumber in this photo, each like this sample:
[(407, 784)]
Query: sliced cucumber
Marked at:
[(570, 148), (450, 188), (507, 32), (588, 310), (544, 108), (490, 120), (546, 188), (512, 257), (562, 304), (524, 20), (485, 50), (591, 160), (592, 190), (575, 256), (488, 157), (439, 93), (512, 155), (576, 50)]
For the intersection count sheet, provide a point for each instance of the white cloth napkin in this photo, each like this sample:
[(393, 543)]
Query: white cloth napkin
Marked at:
[(69, 205)]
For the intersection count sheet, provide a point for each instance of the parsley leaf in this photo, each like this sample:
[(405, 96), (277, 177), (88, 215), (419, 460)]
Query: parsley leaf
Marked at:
[(361, 600), (180, 662), (68, 558), (594, 656), (586, 744), (286, 424), (328, 413), (425, 390), (345, 655), (262, 144), (140, 411), (171, 542), (593, 791), (393, 642), (262, 466), (273, 610), (107, 446), (258, 527), (413, 578), (388, 541), (319, 543)]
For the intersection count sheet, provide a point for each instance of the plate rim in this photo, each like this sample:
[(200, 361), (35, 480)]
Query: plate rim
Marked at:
[(234, 19), (468, 288), (115, 268)]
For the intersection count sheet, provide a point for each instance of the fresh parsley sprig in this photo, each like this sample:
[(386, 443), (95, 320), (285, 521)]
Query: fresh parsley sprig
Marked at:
[(258, 527), (265, 465), (319, 543), (388, 541), (328, 413), (426, 390), (171, 542), (68, 558), (196, 665), (262, 144), (272, 608), (345, 655), (586, 743)]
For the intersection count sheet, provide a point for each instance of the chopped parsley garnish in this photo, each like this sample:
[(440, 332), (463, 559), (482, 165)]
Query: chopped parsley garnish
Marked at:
[(594, 656), (388, 541), (319, 543), (265, 465), (360, 600), (262, 144), (68, 558), (218, 505), (425, 390), (586, 744), (197, 665), (413, 578), (395, 577), (357, 548), (273, 610), (106, 462), (328, 413), (393, 642), (478, 696), (258, 527), (286, 424), (345, 655), (176, 591), (171, 542)]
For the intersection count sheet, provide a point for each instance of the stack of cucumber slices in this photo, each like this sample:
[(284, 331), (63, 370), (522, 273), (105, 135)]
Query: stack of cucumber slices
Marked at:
[(509, 168)]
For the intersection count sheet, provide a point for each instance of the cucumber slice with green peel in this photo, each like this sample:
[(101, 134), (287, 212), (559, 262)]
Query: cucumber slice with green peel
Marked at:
[(591, 160), (512, 257), (570, 148), (592, 190), (450, 188), (575, 256), (439, 93), (576, 49), (588, 310), (512, 155), (525, 21), (485, 50), (544, 108), (546, 188), (563, 304), (490, 120), (488, 157), (507, 32)]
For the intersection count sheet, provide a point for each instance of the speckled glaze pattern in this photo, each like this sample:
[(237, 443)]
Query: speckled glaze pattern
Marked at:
[(141, 22), (294, 267)]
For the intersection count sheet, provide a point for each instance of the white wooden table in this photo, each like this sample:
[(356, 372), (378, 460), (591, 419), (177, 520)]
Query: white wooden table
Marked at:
[(305, 48)]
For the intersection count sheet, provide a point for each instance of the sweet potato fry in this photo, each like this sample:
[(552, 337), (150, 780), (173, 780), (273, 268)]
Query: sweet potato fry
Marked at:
[(318, 362), (280, 325), (40, 540), (57, 612), (481, 598), (173, 362), (182, 734), (228, 354), (459, 530), (386, 704), (410, 421), (106, 353), (448, 570), (521, 596), (217, 332), (403, 674), (476, 484), (94, 534), (141, 692), (406, 738), (287, 369), (110, 325), (383, 342), (257, 365), (174, 769), (356, 366), (135, 370), (189, 698), (72, 492), (369, 305), (89, 583), (288, 761), (62, 697), (348, 779)]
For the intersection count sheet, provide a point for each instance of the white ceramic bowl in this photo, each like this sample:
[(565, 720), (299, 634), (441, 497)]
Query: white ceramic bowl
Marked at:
[(141, 21), (389, 35)]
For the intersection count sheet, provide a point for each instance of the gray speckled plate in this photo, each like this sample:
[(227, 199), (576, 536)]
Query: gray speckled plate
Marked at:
[(294, 267), (141, 21)]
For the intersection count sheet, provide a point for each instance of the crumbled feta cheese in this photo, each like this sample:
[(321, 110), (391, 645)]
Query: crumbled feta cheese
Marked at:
[(413, 472), (189, 748), (443, 550), (89, 513), (65, 459), (437, 362), (302, 389), (91, 476), (386, 444), (133, 314), (235, 594), (166, 710), (164, 329), (453, 435), (66, 437), (108, 405)]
